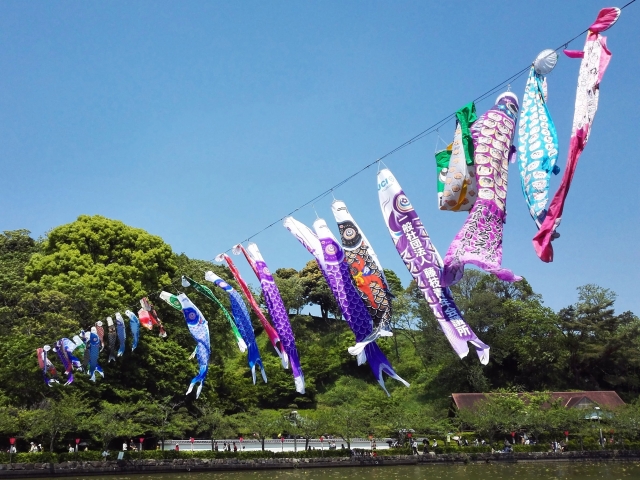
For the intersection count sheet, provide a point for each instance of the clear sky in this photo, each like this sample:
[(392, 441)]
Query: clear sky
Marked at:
[(203, 122)]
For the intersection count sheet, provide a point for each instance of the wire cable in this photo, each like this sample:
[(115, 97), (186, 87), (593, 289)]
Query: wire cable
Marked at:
[(415, 138), (426, 132)]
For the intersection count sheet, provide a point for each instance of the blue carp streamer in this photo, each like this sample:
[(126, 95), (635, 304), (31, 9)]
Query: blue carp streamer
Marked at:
[(199, 329)]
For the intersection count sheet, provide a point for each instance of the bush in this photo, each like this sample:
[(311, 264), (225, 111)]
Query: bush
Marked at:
[(39, 457), (397, 451), (540, 447), (456, 449), (87, 456), (246, 455), (148, 455), (630, 445)]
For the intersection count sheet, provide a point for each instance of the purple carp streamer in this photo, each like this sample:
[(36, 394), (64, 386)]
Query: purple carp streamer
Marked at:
[(72, 348), (65, 359), (479, 242), (268, 329), (331, 260), (243, 321), (425, 265), (199, 329), (367, 274), (277, 310)]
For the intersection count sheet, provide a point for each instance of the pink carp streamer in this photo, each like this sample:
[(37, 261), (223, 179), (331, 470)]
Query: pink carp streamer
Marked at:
[(595, 59), (479, 242)]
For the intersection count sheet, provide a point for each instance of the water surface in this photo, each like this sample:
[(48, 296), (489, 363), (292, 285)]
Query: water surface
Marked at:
[(523, 471)]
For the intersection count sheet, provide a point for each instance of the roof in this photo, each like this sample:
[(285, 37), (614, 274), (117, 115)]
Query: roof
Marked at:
[(609, 399)]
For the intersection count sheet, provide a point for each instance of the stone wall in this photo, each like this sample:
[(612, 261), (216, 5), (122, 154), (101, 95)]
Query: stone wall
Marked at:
[(31, 470)]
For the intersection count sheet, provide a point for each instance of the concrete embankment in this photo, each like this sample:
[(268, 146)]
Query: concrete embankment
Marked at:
[(65, 469)]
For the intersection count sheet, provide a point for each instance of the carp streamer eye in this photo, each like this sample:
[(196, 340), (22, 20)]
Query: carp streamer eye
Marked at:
[(350, 233)]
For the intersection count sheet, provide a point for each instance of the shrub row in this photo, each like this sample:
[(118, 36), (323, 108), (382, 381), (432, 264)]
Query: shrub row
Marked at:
[(46, 457)]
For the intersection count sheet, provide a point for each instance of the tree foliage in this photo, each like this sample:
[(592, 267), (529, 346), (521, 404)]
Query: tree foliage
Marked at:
[(53, 418), (91, 268)]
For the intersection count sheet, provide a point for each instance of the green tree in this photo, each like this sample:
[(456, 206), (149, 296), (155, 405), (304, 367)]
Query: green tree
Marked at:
[(346, 422), (111, 421), (317, 291), (260, 424), (499, 414), (53, 418), (166, 418), (626, 421), (291, 289), (99, 265), (393, 282), (544, 415), (309, 425), (10, 424), (602, 346), (214, 423), (396, 421), (16, 247)]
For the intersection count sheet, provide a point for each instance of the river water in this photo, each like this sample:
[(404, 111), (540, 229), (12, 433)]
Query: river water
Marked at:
[(522, 471)]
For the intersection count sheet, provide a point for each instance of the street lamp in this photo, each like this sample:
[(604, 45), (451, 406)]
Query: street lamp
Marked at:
[(12, 442), (599, 427)]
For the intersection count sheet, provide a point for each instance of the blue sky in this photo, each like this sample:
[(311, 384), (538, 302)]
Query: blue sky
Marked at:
[(203, 122)]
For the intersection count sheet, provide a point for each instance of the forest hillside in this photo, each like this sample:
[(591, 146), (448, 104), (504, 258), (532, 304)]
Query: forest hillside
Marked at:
[(84, 271)]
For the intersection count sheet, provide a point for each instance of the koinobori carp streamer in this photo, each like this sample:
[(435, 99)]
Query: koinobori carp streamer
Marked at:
[(425, 265)]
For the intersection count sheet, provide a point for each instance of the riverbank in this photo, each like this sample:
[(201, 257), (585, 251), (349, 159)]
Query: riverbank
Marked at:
[(86, 468)]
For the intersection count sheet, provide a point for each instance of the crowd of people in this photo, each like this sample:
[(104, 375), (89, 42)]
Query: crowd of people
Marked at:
[(427, 446), (226, 446)]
